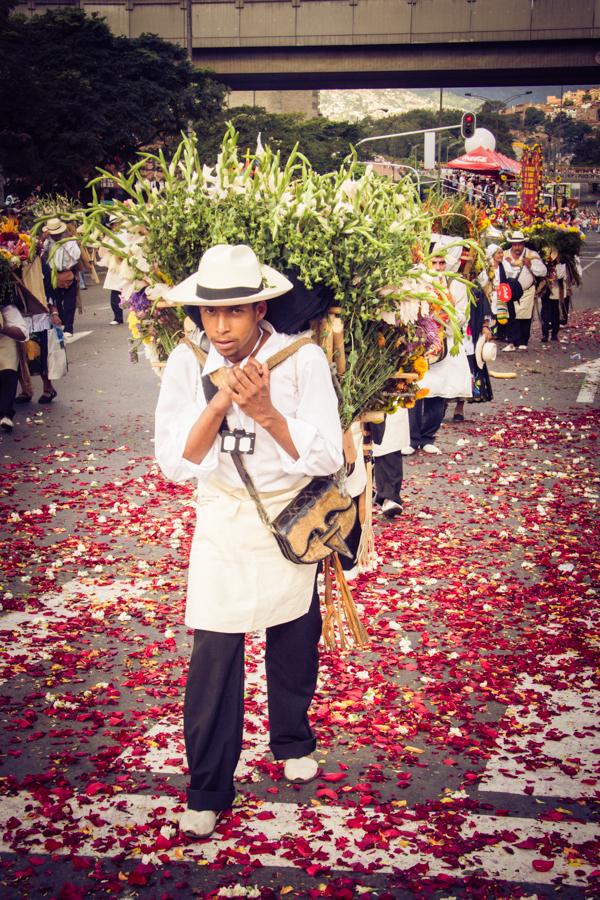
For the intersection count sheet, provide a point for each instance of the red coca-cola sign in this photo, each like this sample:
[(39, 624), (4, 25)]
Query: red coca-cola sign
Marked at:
[(504, 292)]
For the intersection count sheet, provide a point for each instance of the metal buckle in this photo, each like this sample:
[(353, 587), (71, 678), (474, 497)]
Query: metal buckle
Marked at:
[(238, 441)]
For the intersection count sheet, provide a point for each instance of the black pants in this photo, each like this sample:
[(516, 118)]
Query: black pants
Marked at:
[(115, 305), (550, 315), (389, 472), (213, 713), (565, 308), (519, 331), (425, 419), (8, 391), (66, 301)]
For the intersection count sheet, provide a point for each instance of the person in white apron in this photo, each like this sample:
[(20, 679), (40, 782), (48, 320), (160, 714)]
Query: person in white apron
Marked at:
[(524, 265), (445, 380), (387, 457), (239, 580), (13, 330)]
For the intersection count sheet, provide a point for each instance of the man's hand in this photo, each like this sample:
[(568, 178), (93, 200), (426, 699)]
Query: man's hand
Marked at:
[(527, 262), (250, 389), (221, 402)]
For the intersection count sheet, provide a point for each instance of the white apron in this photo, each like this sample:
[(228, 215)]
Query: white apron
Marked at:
[(524, 308), (239, 579), (396, 434), (449, 378)]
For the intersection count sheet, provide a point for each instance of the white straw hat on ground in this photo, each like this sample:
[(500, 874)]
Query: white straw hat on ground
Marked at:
[(516, 237), (485, 352), (229, 276), (55, 226)]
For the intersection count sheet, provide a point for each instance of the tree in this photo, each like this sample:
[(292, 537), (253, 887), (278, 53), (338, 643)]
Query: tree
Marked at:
[(534, 117), (325, 143), (74, 96)]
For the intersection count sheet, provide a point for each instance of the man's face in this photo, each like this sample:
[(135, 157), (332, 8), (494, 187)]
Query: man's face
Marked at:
[(233, 330), (438, 263), (517, 248)]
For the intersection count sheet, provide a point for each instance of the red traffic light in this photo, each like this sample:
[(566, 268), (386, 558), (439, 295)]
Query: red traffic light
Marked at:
[(468, 125)]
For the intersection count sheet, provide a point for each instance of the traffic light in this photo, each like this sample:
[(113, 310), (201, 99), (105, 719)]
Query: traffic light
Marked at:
[(468, 125)]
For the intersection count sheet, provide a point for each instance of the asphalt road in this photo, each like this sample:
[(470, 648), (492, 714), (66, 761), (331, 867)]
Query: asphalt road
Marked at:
[(459, 750)]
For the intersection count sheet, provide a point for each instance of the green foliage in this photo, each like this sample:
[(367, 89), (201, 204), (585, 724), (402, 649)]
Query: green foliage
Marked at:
[(74, 96), (325, 143), (359, 235), (534, 117), (587, 153)]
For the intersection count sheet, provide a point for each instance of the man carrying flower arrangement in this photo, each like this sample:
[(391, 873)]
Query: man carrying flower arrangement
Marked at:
[(285, 422)]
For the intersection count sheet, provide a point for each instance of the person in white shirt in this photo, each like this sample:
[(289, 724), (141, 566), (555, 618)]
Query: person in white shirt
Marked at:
[(63, 258), (448, 379), (524, 265), (13, 331), (552, 298), (238, 578)]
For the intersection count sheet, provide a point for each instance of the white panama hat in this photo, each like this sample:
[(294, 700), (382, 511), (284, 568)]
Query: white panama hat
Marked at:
[(516, 237), (485, 352), (229, 276), (55, 226)]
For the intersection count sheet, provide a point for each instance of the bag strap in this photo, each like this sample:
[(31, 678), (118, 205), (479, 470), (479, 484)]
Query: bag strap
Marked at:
[(272, 362), (249, 485), (210, 389)]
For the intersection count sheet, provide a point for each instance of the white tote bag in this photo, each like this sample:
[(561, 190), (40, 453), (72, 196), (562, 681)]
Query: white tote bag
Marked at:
[(57, 356)]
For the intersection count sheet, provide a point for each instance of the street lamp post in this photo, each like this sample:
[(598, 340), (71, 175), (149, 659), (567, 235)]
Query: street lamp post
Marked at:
[(502, 104)]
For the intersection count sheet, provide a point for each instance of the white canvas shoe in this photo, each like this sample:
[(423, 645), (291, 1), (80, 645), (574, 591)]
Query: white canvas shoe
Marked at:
[(510, 348), (6, 424), (301, 770), (431, 448), (198, 822), (390, 509), (522, 347)]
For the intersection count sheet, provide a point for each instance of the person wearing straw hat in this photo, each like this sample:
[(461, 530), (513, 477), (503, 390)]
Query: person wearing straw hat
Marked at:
[(526, 266), (63, 256), (287, 424)]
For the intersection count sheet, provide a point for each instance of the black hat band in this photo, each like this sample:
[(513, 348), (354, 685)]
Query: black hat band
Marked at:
[(232, 293)]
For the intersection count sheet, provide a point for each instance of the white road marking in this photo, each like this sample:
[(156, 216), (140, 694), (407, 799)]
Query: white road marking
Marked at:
[(555, 752), (164, 752), (334, 840), (594, 260), (56, 607), (591, 381), (77, 336)]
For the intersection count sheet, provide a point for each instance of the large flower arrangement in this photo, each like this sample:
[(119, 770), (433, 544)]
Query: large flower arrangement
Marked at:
[(16, 247), (356, 234)]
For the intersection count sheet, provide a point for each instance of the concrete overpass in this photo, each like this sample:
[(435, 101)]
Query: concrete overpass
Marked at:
[(308, 44)]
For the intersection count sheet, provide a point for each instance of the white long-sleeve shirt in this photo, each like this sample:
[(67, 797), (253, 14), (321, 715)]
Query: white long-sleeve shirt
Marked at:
[(516, 269), (301, 389), (239, 579)]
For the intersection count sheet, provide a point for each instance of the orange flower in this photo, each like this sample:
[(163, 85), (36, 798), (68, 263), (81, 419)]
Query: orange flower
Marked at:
[(420, 365), (422, 392)]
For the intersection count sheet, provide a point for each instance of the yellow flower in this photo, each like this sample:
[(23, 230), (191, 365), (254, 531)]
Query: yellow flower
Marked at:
[(422, 392), (163, 277), (408, 404), (133, 322), (420, 365)]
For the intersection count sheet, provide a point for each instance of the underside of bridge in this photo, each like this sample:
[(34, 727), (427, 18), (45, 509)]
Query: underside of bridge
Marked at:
[(527, 63)]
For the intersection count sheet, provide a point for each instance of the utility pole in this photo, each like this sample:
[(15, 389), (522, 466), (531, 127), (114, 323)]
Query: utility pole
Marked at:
[(440, 117), (189, 30)]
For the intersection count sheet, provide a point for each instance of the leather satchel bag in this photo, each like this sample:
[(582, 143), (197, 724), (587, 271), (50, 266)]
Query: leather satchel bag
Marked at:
[(314, 524), (320, 517)]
